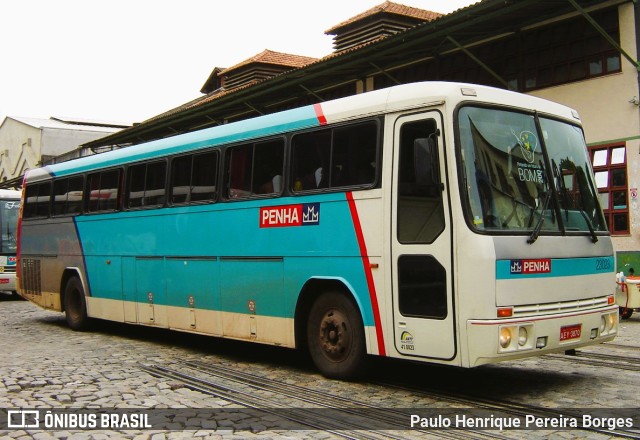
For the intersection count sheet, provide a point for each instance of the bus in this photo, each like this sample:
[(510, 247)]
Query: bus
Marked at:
[(9, 210), (439, 222)]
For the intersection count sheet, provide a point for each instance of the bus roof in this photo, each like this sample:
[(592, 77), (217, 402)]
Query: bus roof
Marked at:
[(397, 98), (10, 194)]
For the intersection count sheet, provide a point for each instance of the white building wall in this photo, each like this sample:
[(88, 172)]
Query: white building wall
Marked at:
[(59, 141), (25, 142), (20, 148)]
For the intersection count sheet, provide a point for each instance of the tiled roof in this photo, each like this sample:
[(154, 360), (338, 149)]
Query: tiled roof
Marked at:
[(389, 8), (271, 57)]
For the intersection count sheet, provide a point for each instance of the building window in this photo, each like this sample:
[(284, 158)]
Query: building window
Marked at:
[(610, 169)]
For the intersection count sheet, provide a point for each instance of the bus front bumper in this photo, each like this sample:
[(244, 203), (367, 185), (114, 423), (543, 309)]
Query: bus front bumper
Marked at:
[(496, 340)]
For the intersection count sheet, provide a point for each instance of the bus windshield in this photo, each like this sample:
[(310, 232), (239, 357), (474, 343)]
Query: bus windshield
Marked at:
[(526, 174), (9, 210)]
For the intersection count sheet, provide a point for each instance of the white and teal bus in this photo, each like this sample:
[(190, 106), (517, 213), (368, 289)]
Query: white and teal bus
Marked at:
[(438, 222), (9, 210)]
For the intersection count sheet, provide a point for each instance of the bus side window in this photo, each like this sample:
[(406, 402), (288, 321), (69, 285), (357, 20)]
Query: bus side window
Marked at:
[(103, 190), (335, 158), (146, 185), (204, 175), (155, 184), (268, 167), (135, 186), (193, 178), (311, 156), (37, 198), (354, 153), (67, 196), (239, 163), (255, 169), (181, 179)]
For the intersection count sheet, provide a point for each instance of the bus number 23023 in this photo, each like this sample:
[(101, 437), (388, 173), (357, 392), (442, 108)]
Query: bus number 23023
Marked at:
[(603, 264)]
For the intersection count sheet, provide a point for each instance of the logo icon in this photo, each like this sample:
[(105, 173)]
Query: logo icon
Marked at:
[(406, 341), (528, 144), (23, 419), (311, 214)]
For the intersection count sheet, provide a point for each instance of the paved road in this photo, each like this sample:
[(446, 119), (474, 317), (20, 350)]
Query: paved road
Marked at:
[(46, 366)]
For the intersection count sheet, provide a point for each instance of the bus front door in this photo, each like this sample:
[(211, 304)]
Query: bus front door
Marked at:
[(421, 241)]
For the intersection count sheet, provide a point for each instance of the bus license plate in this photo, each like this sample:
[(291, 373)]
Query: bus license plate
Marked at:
[(570, 332)]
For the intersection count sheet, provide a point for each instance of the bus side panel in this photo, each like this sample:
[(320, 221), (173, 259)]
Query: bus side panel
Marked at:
[(229, 259), (47, 249), (193, 294), (250, 287), (107, 276), (150, 291)]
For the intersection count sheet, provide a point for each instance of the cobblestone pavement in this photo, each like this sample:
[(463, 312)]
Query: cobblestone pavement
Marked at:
[(45, 365)]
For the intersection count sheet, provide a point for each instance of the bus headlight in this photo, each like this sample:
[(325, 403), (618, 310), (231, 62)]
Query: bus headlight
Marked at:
[(613, 319), (505, 337), (608, 323), (523, 336), (516, 337)]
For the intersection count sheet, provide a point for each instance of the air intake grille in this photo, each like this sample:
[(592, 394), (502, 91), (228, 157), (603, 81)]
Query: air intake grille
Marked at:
[(31, 280), (559, 307)]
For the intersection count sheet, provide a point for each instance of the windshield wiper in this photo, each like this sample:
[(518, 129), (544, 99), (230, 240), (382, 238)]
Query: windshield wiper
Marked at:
[(594, 237), (536, 231)]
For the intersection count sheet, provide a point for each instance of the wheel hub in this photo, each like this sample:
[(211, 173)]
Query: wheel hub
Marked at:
[(333, 335)]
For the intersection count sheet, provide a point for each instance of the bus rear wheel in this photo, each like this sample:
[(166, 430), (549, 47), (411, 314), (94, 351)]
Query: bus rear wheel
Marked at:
[(335, 336), (75, 305), (625, 312)]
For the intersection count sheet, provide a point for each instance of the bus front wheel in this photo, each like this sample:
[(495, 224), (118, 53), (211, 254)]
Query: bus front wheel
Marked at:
[(75, 305), (335, 336)]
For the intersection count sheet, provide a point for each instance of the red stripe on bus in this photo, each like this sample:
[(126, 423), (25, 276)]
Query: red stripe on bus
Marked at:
[(320, 114), (367, 270)]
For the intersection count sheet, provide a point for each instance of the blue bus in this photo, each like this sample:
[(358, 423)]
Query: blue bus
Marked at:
[(437, 222)]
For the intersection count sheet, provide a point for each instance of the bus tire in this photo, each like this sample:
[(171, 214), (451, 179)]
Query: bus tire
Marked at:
[(75, 305), (625, 312), (335, 336)]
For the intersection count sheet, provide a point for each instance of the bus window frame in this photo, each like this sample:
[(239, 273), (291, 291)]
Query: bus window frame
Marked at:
[(225, 163), (217, 151), (119, 197), (53, 196), (379, 126), (39, 217), (124, 196)]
